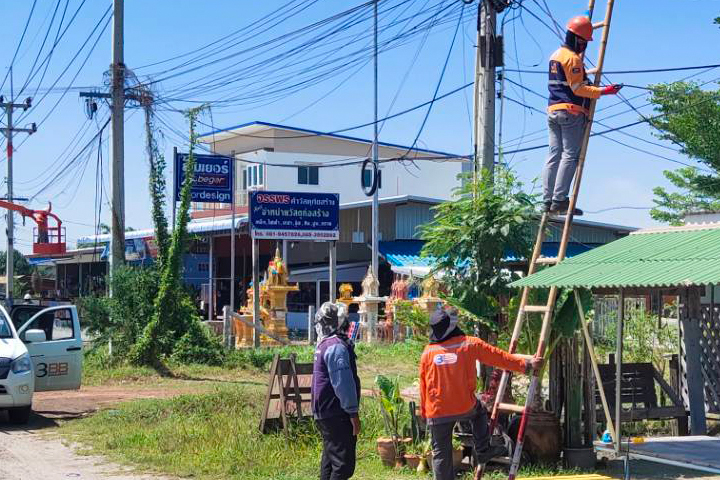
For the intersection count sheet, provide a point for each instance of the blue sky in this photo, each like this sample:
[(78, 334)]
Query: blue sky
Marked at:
[(616, 176)]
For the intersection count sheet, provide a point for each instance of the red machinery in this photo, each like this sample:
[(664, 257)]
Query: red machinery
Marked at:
[(46, 239)]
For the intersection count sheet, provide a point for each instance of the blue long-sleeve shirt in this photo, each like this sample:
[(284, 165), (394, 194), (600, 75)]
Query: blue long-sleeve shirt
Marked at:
[(336, 386)]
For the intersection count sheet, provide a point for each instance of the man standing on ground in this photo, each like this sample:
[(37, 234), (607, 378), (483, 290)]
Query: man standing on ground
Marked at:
[(335, 392), (448, 381), (568, 109)]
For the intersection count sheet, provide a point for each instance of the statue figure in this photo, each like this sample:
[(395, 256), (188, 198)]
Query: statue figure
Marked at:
[(346, 293), (370, 285), (430, 287), (277, 272)]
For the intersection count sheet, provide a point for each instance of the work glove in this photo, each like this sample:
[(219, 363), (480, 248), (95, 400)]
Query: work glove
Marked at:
[(611, 89)]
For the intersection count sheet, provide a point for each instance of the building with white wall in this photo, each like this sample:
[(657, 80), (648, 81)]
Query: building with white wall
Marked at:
[(282, 158)]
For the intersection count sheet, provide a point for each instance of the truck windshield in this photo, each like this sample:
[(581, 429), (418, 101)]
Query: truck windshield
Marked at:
[(5, 331)]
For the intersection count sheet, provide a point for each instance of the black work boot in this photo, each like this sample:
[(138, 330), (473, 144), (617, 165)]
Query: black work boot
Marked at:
[(561, 208)]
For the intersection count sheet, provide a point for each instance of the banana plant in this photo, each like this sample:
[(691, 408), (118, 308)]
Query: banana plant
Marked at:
[(391, 406)]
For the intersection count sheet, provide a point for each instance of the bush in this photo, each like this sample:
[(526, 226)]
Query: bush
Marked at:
[(199, 345), (123, 316)]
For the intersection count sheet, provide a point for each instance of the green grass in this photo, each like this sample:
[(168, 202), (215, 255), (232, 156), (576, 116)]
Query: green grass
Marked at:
[(403, 360), (215, 435)]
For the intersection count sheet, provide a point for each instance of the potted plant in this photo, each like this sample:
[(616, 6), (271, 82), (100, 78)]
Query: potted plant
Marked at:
[(419, 446), (391, 403)]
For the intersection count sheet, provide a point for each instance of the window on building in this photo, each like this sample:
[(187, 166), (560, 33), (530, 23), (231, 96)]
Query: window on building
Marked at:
[(308, 175), (367, 178), (253, 176)]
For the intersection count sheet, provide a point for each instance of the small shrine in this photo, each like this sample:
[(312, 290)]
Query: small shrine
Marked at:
[(273, 305), (369, 301), (430, 299)]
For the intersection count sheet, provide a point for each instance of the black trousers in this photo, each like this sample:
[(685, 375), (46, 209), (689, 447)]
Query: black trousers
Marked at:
[(442, 434), (338, 457)]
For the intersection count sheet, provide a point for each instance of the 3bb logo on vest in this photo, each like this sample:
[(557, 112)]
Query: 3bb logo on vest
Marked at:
[(445, 359)]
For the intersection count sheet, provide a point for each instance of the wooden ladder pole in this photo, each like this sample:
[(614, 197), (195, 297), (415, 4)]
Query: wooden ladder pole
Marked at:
[(586, 138), (519, 320), (567, 227)]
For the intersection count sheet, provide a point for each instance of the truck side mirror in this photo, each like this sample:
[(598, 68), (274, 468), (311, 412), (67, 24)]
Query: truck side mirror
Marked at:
[(35, 336)]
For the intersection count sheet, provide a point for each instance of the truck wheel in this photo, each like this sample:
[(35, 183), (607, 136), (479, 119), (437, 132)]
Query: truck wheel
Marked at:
[(19, 416)]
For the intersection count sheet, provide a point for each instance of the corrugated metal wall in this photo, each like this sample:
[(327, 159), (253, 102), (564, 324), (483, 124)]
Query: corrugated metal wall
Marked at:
[(409, 217), (360, 219)]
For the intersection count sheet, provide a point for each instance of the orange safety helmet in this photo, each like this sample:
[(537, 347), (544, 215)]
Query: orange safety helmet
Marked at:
[(581, 26)]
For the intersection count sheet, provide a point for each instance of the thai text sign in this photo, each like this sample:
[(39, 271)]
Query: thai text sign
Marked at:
[(213, 180), (295, 215)]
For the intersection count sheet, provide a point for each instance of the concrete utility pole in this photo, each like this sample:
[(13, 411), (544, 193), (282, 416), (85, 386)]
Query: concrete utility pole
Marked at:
[(376, 168), (8, 131), (117, 145), (485, 63)]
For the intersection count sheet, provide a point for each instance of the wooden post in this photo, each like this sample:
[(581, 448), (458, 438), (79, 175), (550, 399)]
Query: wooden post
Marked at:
[(618, 371), (596, 370), (689, 319)]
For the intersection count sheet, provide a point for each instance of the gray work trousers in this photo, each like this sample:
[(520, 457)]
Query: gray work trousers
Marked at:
[(442, 460), (566, 134)]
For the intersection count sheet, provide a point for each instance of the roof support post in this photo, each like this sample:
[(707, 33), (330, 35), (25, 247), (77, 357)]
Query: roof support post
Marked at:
[(618, 370), (690, 317)]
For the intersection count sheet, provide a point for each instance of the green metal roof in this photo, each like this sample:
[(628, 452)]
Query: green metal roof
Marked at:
[(669, 257)]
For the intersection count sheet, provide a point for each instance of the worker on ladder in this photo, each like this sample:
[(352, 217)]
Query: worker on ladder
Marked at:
[(568, 110)]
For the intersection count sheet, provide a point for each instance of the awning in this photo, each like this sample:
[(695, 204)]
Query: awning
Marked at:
[(40, 260), (349, 272), (405, 259), (212, 225), (668, 257)]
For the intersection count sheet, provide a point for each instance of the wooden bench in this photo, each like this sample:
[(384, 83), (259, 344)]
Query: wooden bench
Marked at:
[(638, 395)]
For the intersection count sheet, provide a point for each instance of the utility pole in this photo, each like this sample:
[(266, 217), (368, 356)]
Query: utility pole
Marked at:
[(8, 131), (488, 56), (375, 200), (117, 145)]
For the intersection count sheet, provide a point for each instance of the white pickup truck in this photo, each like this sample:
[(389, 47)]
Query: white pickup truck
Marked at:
[(43, 353)]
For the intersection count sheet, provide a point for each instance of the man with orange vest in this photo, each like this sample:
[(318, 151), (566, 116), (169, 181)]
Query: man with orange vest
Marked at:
[(448, 380), (568, 109)]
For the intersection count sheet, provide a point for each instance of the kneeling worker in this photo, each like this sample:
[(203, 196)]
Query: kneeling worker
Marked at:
[(568, 109), (335, 392), (447, 389)]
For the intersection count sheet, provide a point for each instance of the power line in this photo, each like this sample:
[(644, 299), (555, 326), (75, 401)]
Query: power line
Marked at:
[(17, 49), (630, 72)]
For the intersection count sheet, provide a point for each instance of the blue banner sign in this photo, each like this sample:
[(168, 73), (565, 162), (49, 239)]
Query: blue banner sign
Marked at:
[(213, 180), (295, 215)]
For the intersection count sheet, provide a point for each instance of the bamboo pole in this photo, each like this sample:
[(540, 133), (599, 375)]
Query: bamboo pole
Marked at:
[(596, 370)]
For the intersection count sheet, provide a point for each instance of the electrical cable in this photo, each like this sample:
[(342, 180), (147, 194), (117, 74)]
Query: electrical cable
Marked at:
[(633, 72), (17, 49)]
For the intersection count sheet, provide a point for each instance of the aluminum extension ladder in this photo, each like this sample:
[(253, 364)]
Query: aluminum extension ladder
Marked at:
[(547, 310)]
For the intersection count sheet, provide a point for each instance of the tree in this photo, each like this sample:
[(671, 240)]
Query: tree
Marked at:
[(470, 236), (174, 327), (20, 263), (689, 117)]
